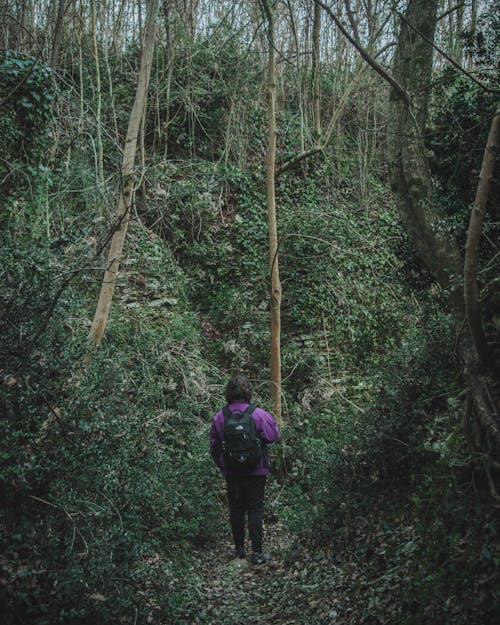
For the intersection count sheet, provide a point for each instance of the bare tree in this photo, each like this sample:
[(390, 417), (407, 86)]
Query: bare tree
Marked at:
[(478, 213), (271, 213), (100, 151), (316, 71), (125, 200)]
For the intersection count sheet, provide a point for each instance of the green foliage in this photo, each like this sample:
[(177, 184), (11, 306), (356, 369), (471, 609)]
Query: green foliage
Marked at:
[(312, 493), (105, 471), (337, 270), (206, 107), (250, 235), (215, 218), (404, 414), (107, 486), (27, 88), (187, 207), (27, 94), (391, 487), (424, 356), (461, 119)]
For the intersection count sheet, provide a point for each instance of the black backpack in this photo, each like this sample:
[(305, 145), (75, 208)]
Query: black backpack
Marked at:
[(242, 447)]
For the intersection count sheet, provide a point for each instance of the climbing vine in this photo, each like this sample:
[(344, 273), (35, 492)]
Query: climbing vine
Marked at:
[(27, 97)]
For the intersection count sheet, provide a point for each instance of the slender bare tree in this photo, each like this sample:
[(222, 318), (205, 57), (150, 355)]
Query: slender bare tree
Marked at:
[(98, 114), (477, 216), (271, 213), (316, 71), (125, 200), (58, 29)]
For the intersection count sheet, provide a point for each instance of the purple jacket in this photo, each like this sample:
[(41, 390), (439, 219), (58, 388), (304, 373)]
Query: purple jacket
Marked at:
[(266, 428)]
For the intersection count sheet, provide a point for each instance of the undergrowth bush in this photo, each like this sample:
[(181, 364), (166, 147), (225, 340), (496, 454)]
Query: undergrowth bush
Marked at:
[(104, 454), (342, 445)]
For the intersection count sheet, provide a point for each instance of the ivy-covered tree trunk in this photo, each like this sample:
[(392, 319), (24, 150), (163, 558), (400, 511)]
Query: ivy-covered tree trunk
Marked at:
[(125, 200), (413, 189), (409, 168)]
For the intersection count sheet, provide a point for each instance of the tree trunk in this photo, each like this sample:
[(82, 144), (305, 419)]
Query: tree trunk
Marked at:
[(413, 188), (316, 71), (81, 95), (410, 175), (472, 246), (271, 212), (98, 115), (125, 199), (56, 39)]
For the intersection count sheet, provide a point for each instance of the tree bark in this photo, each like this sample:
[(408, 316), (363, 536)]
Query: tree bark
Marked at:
[(98, 114), (272, 222), (125, 200), (56, 39), (316, 71), (477, 216), (409, 169), (413, 188)]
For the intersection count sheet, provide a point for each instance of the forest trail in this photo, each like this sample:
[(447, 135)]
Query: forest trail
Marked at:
[(286, 591)]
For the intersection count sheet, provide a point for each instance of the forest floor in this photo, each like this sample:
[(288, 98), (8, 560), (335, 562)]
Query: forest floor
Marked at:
[(311, 583), (286, 591)]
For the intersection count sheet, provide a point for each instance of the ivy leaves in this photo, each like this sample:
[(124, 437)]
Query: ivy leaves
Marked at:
[(27, 88), (26, 95)]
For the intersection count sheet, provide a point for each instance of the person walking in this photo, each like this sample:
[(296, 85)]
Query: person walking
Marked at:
[(239, 437)]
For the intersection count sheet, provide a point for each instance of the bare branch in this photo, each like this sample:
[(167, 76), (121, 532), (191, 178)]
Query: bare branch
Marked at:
[(367, 57), (446, 56)]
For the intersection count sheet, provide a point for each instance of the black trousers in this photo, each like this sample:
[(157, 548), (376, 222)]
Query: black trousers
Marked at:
[(246, 495)]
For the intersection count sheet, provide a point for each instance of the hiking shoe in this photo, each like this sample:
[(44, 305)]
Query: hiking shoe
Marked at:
[(240, 553), (260, 558)]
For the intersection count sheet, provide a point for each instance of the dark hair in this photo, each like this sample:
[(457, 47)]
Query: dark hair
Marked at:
[(238, 387)]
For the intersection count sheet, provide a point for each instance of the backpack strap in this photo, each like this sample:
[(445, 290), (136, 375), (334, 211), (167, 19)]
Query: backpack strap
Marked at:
[(249, 410), (227, 413)]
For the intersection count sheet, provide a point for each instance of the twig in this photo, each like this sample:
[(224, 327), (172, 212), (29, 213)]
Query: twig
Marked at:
[(327, 347), (401, 91), (115, 509), (451, 10), (335, 390), (68, 514), (54, 413)]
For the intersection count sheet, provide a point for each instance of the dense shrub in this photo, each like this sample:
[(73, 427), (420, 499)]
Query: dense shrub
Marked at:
[(27, 94), (461, 119), (104, 461)]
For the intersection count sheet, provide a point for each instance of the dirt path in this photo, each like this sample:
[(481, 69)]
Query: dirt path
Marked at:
[(286, 591)]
